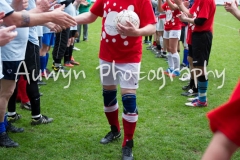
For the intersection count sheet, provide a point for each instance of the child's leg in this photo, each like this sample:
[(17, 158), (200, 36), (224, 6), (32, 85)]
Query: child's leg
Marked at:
[(220, 148)]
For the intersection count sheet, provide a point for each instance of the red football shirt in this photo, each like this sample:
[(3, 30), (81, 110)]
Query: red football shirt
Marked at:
[(202, 9), (172, 22), (115, 47)]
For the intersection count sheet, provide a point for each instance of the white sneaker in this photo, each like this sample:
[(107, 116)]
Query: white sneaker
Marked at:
[(76, 49), (192, 99)]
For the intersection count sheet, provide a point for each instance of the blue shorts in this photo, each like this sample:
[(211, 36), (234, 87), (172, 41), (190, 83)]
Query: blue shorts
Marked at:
[(48, 39)]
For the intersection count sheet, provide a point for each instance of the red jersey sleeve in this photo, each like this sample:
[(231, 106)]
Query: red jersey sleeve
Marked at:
[(146, 16), (97, 8), (226, 118)]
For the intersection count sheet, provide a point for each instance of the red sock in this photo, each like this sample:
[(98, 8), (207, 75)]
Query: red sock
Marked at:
[(113, 119), (22, 93), (129, 128), (154, 43)]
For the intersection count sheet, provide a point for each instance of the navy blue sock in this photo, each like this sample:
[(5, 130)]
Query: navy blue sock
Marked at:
[(5, 120), (185, 55), (2, 127), (202, 88), (42, 63), (46, 60)]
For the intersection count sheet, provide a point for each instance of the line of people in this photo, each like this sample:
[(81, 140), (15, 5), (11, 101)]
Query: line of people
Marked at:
[(126, 55)]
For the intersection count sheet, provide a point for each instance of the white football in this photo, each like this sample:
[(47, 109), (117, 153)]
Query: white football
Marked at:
[(127, 15)]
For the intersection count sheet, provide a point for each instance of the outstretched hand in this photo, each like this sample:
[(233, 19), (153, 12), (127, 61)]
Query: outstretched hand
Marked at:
[(62, 18), (182, 17), (128, 30), (230, 6), (7, 34)]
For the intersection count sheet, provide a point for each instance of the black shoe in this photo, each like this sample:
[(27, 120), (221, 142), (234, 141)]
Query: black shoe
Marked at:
[(190, 92), (127, 151), (5, 141), (183, 65), (42, 120), (59, 69), (13, 129), (111, 136), (41, 83), (186, 88), (26, 106), (14, 118)]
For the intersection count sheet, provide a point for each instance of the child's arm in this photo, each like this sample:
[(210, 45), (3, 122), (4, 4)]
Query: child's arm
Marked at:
[(220, 148)]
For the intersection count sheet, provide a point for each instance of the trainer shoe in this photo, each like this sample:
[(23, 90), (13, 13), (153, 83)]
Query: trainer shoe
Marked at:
[(59, 69), (163, 55), (111, 136), (46, 75), (190, 93), (5, 141), (68, 64), (185, 77), (74, 62), (150, 47), (127, 151), (168, 71), (182, 65), (26, 106), (196, 104), (14, 118), (76, 49), (41, 83), (42, 120), (174, 74), (13, 129), (158, 54), (192, 99), (187, 87)]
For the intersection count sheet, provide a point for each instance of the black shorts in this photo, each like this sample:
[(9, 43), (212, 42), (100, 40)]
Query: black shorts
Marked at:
[(32, 61), (182, 37), (72, 33), (201, 47), (10, 68), (190, 51)]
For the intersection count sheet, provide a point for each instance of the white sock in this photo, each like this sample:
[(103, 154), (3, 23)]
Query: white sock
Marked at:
[(170, 61), (37, 116), (176, 61), (11, 113)]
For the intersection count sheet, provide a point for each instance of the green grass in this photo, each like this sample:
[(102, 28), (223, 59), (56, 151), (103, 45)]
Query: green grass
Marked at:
[(166, 130)]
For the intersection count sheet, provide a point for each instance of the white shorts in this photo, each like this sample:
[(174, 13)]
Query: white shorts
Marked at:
[(125, 74), (160, 24), (172, 34)]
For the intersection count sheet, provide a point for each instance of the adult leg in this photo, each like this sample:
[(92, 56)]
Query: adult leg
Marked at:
[(60, 48), (7, 88), (85, 32), (32, 63)]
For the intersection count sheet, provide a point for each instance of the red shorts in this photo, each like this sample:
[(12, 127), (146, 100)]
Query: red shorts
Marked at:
[(226, 118)]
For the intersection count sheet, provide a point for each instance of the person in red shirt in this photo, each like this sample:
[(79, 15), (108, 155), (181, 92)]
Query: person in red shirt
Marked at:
[(201, 16), (120, 56), (225, 120), (171, 36)]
